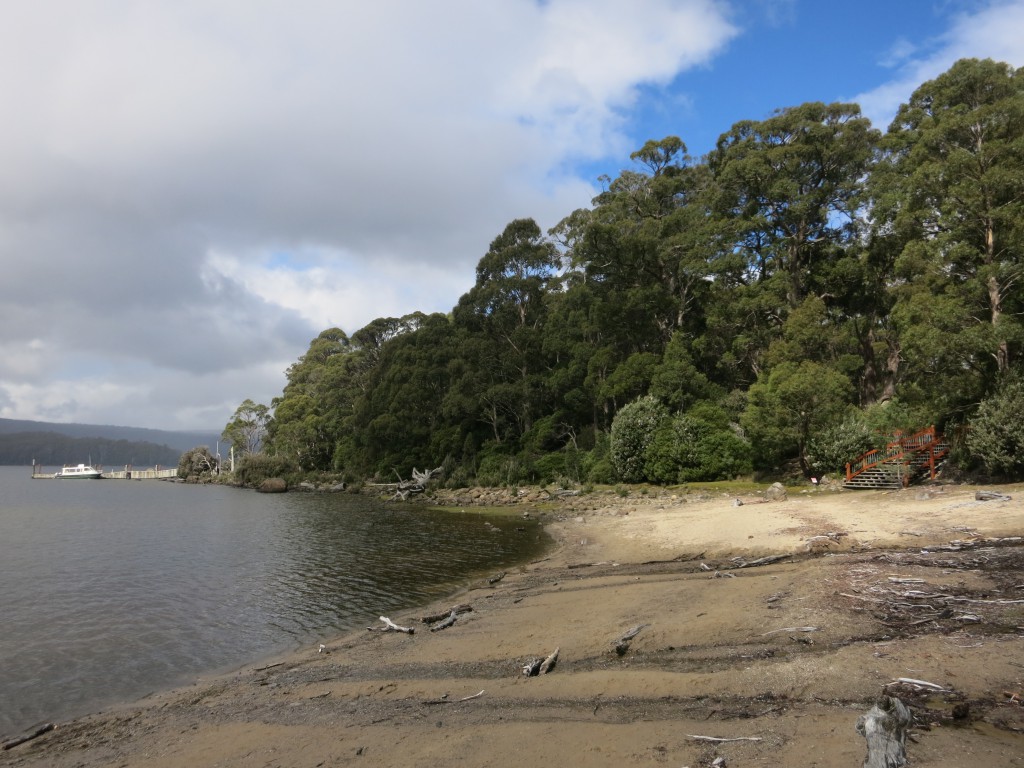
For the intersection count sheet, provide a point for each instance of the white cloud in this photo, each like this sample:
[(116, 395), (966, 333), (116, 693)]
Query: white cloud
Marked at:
[(156, 154), (992, 32)]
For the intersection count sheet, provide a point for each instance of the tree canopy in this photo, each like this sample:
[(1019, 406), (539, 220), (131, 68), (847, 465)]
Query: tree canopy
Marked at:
[(810, 281)]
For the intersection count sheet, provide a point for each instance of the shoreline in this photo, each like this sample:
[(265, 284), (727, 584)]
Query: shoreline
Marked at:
[(721, 650)]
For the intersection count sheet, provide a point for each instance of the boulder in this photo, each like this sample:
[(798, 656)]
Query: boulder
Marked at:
[(273, 485), (776, 492)]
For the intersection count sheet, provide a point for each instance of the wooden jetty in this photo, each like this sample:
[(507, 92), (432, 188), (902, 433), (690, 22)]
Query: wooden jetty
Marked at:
[(128, 473)]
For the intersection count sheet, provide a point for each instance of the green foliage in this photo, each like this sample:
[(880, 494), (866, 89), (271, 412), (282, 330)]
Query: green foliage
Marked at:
[(996, 436), (254, 468), (501, 470), (633, 431), (789, 405), (197, 464), (686, 448), (807, 268), (248, 428), (832, 448)]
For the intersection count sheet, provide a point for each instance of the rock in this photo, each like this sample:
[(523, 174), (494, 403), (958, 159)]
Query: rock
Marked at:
[(273, 485), (776, 492)]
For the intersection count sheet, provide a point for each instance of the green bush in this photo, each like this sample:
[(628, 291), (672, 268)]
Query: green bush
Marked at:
[(596, 464), (549, 468), (996, 436), (830, 449), (686, 449), (633, 430), (497, 470), (253, 469), (197, 463), (720, 455)]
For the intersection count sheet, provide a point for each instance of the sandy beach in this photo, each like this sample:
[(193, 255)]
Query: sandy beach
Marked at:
[(771, 625)]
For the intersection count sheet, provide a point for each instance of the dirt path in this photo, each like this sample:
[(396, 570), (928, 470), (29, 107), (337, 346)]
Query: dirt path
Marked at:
[(868, 589)]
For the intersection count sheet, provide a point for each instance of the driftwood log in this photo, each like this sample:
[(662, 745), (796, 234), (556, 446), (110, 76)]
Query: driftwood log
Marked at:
[(622, 644), (990, 496), (435, 617), (536, 667), (34, 733), (390, 626), (885, 728), (445, 622)]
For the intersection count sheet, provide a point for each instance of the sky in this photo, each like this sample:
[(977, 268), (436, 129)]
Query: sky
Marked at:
[(192, 190)]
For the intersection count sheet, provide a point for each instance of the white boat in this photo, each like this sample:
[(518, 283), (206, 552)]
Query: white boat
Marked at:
[(83, 471)]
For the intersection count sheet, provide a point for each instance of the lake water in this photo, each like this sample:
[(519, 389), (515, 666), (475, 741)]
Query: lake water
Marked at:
[(111, 589)]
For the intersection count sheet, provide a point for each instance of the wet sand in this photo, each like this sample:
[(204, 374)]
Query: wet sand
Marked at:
[(777, 623)]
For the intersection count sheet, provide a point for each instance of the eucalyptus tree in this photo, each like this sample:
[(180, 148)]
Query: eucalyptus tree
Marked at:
[(503, 317), (640, 266), (951, 190), (247, 429), (401, 422), (793, 186), (789, 193), (300, 429)]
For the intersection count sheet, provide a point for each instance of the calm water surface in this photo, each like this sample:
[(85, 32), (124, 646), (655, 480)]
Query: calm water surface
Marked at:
[(110, 589)]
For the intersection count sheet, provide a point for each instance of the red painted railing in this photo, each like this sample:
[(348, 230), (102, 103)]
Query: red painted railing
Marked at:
[(897, 451)]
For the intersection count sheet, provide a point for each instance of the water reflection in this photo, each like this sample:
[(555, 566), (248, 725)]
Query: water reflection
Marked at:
[(148, 584)]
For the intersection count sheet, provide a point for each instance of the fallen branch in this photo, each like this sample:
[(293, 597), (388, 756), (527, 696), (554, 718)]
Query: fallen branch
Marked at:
[(791, 629), (454, 701), (763, 561), (418, 483), (885, 728), (44, 728), (390, 626), (447, 622), (549, 662), (536, 667), (717, 740), (919, 684), (460, 608)]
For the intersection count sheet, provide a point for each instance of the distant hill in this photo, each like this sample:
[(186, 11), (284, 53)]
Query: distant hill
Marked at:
[(176, 442), (48, 449)]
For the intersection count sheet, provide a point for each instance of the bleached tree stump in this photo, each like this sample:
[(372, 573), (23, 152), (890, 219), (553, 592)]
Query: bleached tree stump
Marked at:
[(885, 728)]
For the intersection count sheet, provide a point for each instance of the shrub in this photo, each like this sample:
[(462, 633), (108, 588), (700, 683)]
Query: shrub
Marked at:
[(497, 470), (197, 463), (253, 469), (996, 437), (830, 449), (687, 449), (633, 430)]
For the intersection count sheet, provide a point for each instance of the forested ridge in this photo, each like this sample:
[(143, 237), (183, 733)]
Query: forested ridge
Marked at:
[(809, 287), (51, 449)]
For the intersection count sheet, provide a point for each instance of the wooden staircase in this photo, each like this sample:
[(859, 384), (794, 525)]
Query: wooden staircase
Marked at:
[(903, 461)]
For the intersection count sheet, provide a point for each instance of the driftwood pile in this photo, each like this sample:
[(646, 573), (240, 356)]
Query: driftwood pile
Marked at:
[(403, 489)]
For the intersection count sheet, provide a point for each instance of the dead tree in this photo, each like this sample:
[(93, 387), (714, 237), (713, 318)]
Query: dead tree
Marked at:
[(403, 489)]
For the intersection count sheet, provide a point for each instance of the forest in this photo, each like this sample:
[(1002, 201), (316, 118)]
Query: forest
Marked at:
[(807, 289), (51, 449)]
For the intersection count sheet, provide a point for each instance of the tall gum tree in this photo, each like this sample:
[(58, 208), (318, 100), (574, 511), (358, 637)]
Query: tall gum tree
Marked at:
[(793, 186), (952, 185), (505, 313)]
